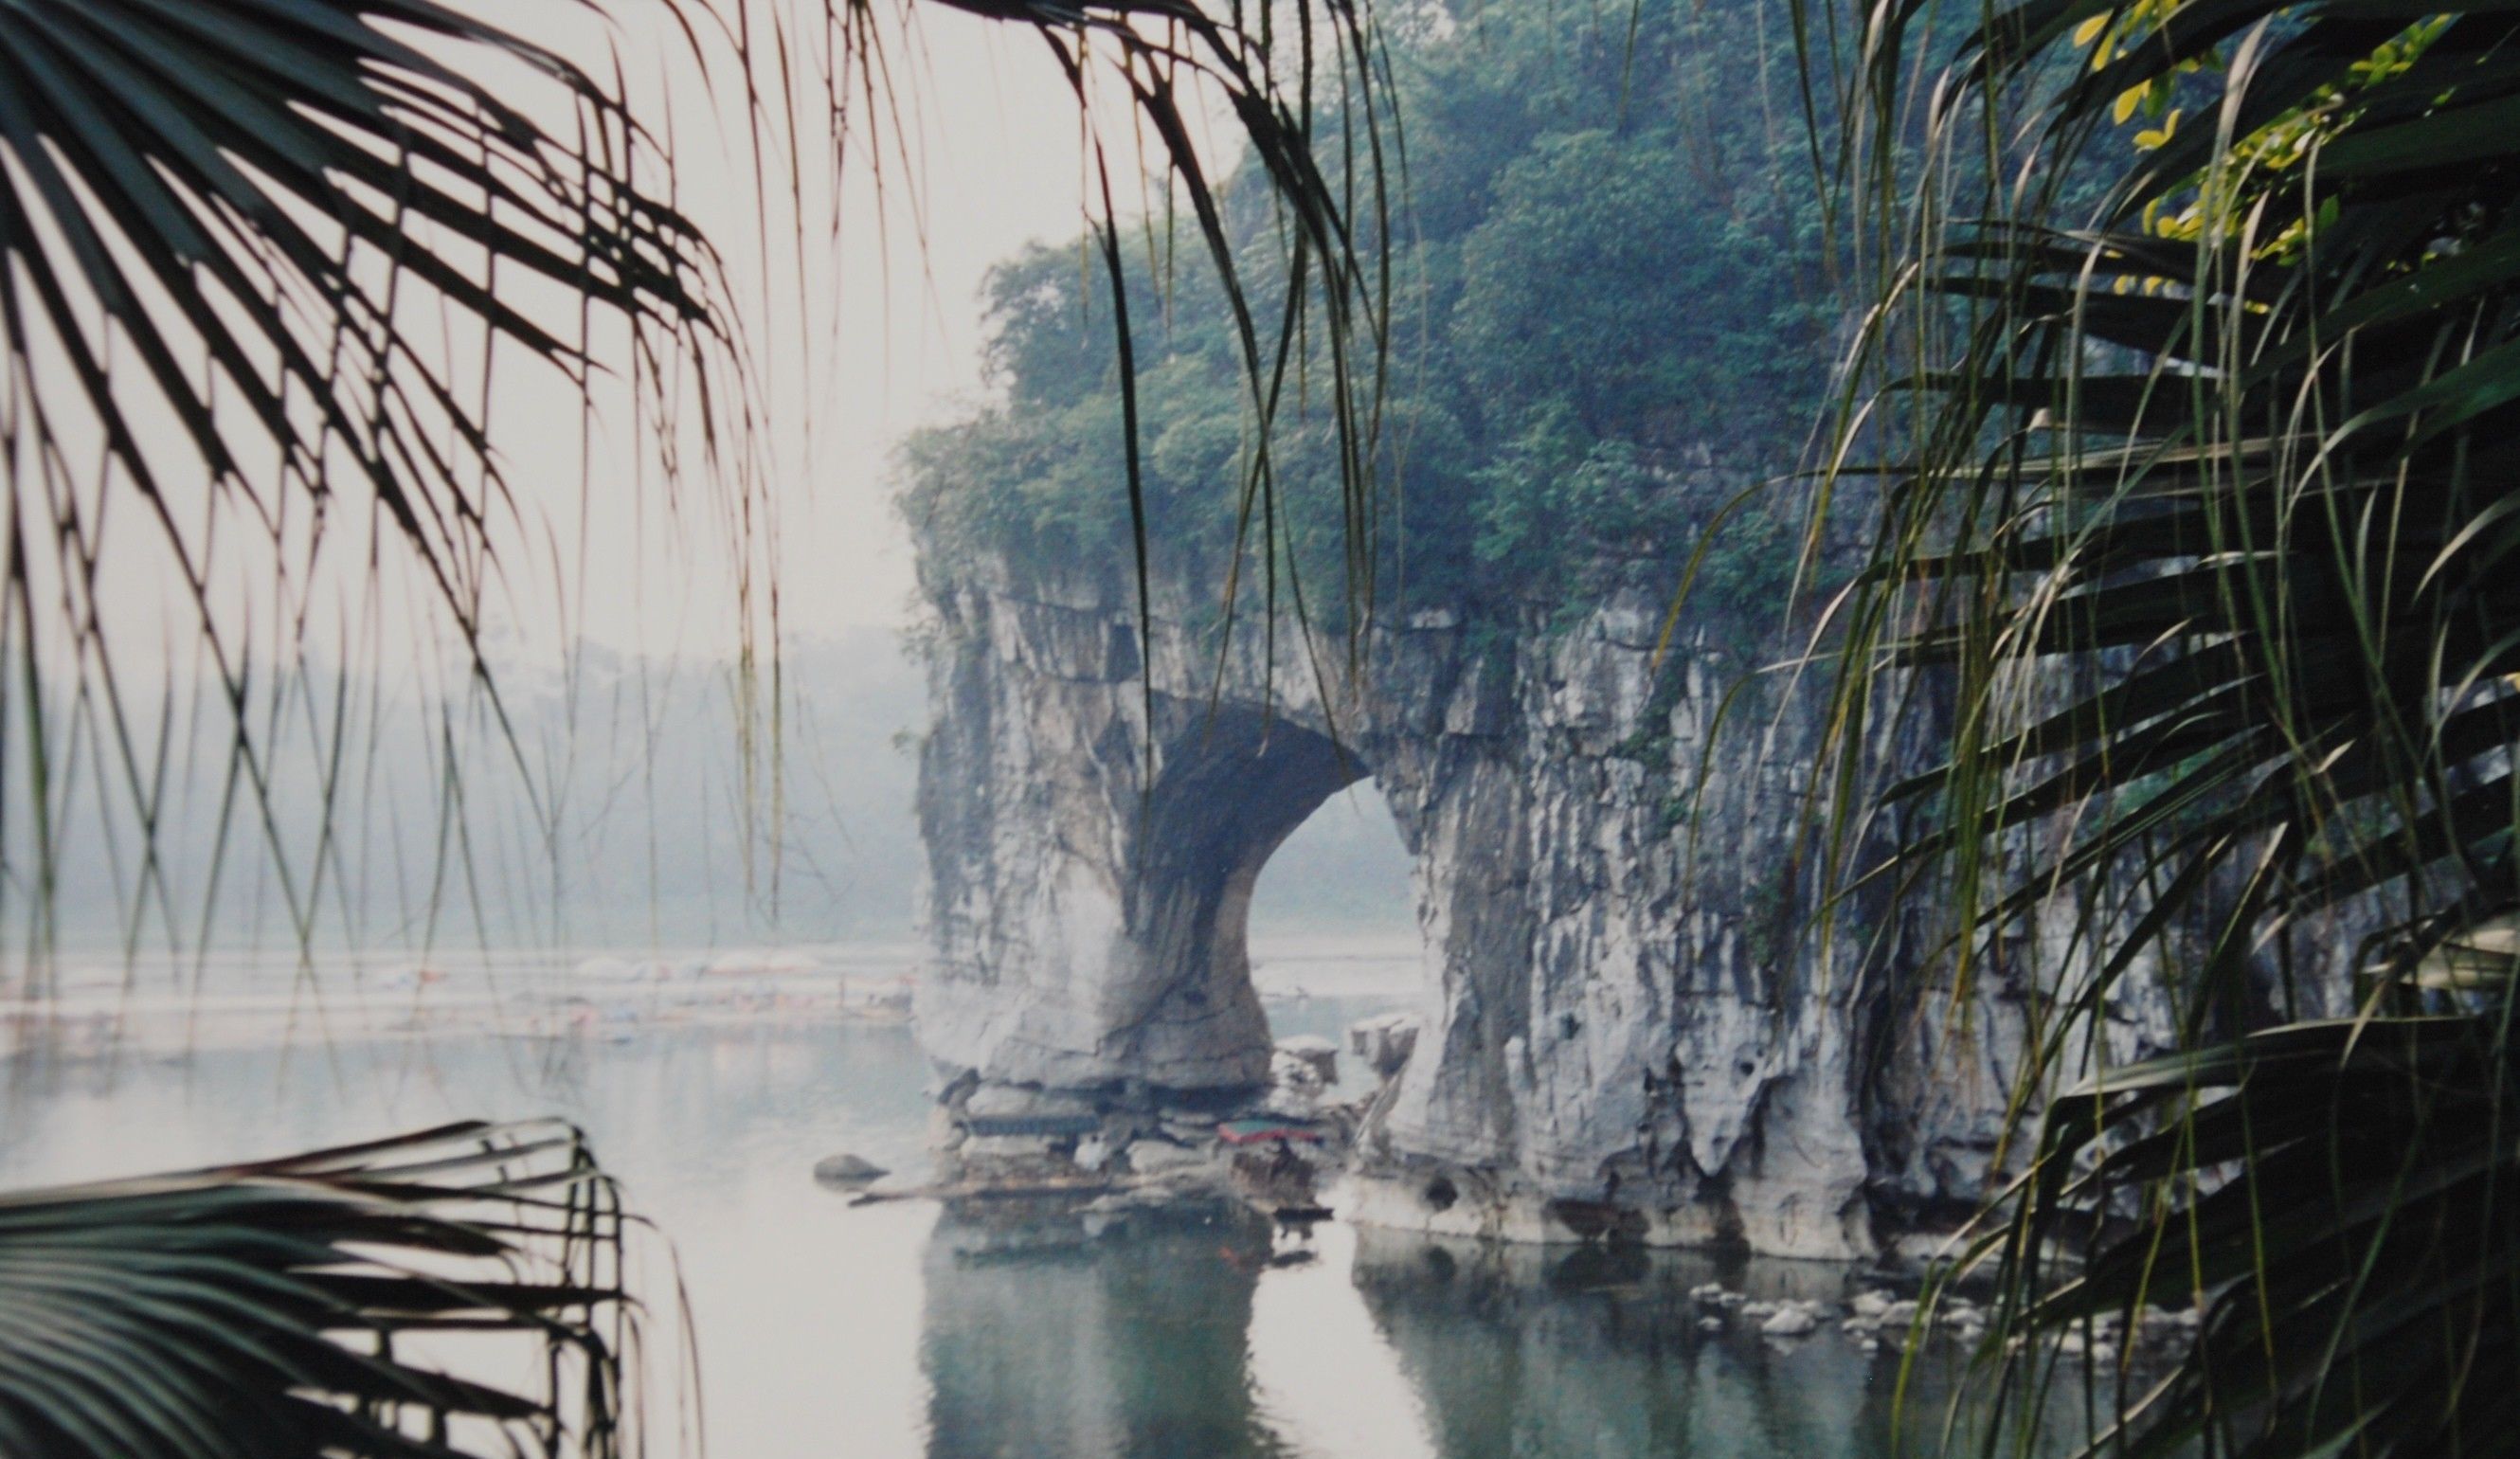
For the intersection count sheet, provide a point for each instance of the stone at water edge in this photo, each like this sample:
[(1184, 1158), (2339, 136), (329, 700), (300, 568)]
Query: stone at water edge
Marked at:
[(1384, 1041), (1315, 1053), (1792, 1320), (847, 1169)]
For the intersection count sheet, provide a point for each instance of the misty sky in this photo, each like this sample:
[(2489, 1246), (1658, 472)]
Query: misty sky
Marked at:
[(857, 290), (995, 160), (857, 294)]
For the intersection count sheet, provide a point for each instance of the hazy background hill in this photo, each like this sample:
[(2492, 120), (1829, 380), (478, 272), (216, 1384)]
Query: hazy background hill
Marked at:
[(674, 803)]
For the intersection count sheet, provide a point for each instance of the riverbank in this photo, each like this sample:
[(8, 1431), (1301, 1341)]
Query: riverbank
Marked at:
[(102, 1007), (94, 1010)]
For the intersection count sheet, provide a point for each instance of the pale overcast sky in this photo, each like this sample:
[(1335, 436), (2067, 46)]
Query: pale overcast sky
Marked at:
[(995, 161), (867, 329)]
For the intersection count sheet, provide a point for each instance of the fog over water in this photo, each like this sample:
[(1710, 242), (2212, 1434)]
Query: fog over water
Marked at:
[(710, 1077), (832, 1330)]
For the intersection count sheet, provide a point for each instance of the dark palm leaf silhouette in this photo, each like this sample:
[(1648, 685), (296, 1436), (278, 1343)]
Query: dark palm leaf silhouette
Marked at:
[(2206, 517), (327, 1304), (222, 223)]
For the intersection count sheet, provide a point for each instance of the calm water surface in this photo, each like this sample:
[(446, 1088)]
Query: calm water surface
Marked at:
[(831, 1331)]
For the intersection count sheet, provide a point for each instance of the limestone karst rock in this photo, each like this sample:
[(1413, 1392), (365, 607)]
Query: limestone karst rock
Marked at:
[(1629, 1005), (1613, 1011)]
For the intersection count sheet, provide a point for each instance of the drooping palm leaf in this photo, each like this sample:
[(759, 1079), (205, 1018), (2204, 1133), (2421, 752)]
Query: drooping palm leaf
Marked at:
[(261, 256), (2205, 521), (2339, 1192), (454, 1291), (257, 252), (220, 224)]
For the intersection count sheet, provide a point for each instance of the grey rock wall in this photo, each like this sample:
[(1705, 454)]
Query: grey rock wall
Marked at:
[(1631, 1014)]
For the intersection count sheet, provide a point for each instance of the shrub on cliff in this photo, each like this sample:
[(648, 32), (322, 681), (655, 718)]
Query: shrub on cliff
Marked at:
[(1610, 306)]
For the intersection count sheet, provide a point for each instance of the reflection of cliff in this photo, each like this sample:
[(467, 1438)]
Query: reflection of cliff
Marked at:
[(1134, 1348), (1517, 1349)]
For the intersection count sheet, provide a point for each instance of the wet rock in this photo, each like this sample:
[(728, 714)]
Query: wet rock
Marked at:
[(848, 1170), (1005, 1148), (1155, 1156), (1000, 1101), (1314, 1053), (1792, 1320), (1384, 1042)]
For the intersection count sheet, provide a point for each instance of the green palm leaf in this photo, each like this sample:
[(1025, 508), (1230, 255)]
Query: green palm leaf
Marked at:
[(2207, 520), (322, 1305), (259, 257)]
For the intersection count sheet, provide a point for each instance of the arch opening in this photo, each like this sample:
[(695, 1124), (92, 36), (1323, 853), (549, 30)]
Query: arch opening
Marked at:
[(1334, 929), (1241, 794)]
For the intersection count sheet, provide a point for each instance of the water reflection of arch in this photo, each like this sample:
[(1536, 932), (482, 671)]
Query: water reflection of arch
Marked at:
[(1038, 1342), (1148, 1348)]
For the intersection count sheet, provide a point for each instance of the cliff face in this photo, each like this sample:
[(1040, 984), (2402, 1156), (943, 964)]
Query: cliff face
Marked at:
[(1629, 1018)]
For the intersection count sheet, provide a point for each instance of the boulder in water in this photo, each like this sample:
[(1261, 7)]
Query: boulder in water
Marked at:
[(1312, 1053), (1384, 1042), (847, 1169), (1149, 1157)]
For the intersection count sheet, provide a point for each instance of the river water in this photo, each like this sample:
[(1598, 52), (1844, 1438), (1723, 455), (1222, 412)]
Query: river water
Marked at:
[(828, 1330)]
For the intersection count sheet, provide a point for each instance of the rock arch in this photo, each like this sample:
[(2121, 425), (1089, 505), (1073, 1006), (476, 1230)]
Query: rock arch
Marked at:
[(1089, 936), (1623, 1031)]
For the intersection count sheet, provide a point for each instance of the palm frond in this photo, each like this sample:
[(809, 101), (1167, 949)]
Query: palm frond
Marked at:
[(2205, 522), (326, 1303), (267, 267), (2341, 1194), (260, 261)]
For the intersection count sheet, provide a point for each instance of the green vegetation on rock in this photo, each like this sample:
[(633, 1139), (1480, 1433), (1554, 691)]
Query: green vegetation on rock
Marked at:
[(1610, 314)]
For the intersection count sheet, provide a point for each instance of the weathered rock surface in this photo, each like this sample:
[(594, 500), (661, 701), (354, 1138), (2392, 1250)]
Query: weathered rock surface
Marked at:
[(1627, 1009), (1383, 1041), (1315, 1053)]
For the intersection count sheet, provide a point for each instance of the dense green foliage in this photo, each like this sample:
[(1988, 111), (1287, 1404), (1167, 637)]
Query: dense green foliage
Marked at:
[(2205, 522), (1609, 288)]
